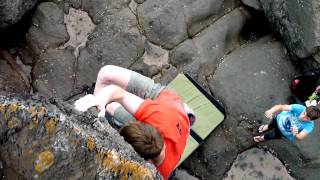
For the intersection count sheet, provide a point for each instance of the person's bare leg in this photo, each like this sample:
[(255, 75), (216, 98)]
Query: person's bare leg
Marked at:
[(131, 81), (115, 75), (111, 108), (111, 74), (121, 116)]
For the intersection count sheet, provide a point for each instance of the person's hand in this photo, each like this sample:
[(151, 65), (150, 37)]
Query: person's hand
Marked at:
[(269, 114), (295, 130), (88, 101)]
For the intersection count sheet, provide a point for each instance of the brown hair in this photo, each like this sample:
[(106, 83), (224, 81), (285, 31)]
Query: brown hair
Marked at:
[(313, 112), (145, 139)]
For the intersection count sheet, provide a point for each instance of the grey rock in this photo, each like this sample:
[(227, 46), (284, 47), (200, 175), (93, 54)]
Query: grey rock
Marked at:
[(163, 22), (133, 7), (27, 56), (167, 23), (220, 38), (139, 1), (167, 74), (186, 58), (214, 157), (264, 65), (181, 174), (115, 41), (12, 11), (257, 164), (53, 74), (244, 82), (98, 9), (204, 52), (74, 3), (298, 23), (10, 79), (48, 29), (202, 13), (155, 55), (53, 141), (253, 3)]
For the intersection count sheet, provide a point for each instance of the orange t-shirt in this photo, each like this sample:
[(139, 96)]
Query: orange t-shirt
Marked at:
[(167, 114)]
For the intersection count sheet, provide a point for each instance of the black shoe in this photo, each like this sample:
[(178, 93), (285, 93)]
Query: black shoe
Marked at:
[(88, 89)]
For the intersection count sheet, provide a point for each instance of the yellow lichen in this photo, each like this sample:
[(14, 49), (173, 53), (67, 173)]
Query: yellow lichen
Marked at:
[(42, 112), (45, 161), (33, 111), (112, 162), (2, 108), (51, 125), (90, 143), (13, 123), (135, 170), (13, 108), (33, 124)]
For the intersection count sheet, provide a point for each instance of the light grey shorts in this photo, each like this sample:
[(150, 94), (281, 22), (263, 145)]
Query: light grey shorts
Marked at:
[(141, 86)]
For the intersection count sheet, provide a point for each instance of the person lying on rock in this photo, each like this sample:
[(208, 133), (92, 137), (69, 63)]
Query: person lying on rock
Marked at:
[(149, 116), (294, 121)]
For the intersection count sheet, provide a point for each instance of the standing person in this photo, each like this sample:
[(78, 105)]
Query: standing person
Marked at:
[(150, 116), (294, 121)]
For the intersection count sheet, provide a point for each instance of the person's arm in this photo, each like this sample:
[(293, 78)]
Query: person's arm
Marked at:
[(106, 95), (277, 108), (298, 135)]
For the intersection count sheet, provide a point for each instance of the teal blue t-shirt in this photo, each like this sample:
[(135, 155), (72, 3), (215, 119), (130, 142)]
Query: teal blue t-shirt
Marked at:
[(288, 119)]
